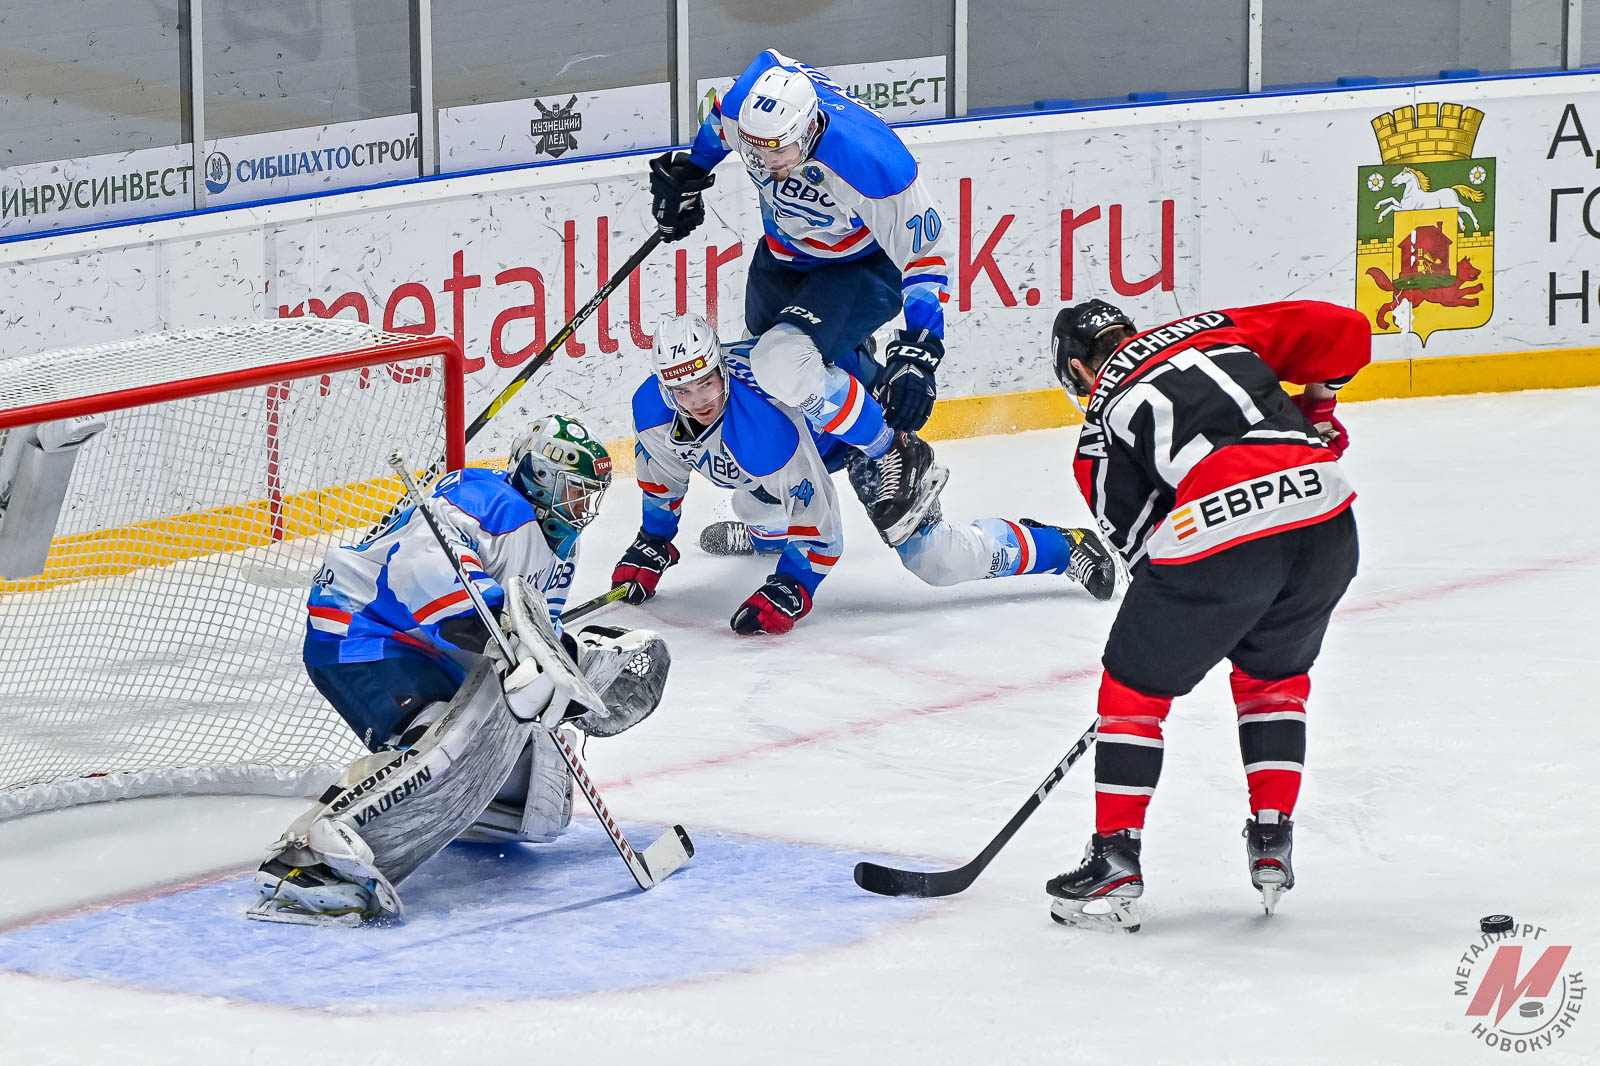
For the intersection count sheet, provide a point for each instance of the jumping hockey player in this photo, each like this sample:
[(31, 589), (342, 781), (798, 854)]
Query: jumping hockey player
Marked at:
[(700, 411), (852, 238), (460, 742), (1225, 497)]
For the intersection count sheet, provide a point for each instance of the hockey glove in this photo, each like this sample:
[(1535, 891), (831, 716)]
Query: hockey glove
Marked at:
[(675, 186), (775, 607), (908, 388), (642, 565), (1320, 414)]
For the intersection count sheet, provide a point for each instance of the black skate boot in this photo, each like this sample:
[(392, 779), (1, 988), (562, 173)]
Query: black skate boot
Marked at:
[(900, 488), (310, 895), (726, 538), (1091, 565), (1109, 872), (1268, 846)]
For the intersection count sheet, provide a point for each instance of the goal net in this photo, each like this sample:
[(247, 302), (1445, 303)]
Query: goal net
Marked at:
[(164, 506)]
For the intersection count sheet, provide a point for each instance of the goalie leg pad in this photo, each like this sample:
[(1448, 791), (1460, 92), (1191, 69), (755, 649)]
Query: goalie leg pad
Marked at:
[(535, 803), (628, 667), (395, 809)]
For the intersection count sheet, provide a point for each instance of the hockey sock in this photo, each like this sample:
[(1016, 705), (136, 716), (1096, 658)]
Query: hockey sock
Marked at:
[(1127, 757), (1044, 549), (848, 411), (1272, 737)]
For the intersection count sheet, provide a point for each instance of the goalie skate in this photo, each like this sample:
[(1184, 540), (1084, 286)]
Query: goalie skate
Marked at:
[(312, 895), (1108, 880)]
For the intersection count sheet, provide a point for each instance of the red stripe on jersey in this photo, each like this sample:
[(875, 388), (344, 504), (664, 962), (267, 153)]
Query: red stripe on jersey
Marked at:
[(932, 260), (854, 238), (651, 486), (822, 560), (1245, 461), (848, 411), (330, 613), (802, 531), (777, 247), (449, 599)]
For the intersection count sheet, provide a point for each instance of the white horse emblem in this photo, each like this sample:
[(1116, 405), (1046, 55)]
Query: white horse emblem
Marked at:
[(1419, 195)]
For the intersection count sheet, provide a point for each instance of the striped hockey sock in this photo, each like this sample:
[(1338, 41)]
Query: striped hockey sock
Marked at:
[(1127, 757), (1272, 737)]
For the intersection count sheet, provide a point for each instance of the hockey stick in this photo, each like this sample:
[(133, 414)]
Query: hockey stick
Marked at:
[(887, 881), (673, 848), (589, 607), (545, 355)]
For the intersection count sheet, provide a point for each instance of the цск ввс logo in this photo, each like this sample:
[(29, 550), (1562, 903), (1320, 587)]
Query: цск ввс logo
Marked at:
[(1425, 224)]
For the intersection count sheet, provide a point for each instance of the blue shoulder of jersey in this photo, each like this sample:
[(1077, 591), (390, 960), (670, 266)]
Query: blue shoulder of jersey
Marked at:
[(731, 100), (650, 408), (861, 148), (489, 498), (760, 437)]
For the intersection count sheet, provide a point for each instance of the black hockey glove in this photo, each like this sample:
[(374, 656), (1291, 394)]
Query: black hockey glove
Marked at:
[(642, 565), (676, 185), (908, 388), (774, 608)]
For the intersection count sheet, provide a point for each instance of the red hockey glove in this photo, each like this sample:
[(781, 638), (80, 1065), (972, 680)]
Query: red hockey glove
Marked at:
[(642, 565), (775, 607), (1320, 414)]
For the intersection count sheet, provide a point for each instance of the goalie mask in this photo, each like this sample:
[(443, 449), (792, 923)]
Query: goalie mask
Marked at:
[(564, 472), (778, 123), (1076, 330)]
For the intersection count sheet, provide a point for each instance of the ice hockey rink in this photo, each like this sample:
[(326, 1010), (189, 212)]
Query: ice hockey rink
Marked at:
[(1451, 774)]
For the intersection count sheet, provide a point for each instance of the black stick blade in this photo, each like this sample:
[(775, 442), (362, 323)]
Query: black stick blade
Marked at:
[(887, 881)]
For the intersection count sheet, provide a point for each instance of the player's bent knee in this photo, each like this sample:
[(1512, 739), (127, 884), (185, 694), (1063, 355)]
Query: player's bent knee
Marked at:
[(788, 365)]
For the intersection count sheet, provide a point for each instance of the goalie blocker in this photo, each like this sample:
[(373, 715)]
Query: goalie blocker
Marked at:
[(481, 767)]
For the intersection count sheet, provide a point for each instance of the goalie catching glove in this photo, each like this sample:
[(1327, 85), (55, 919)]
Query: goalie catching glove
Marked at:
[(775, 607), (642, 565)]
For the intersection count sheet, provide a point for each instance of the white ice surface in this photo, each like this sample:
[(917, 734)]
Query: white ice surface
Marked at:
[(1454, 741)]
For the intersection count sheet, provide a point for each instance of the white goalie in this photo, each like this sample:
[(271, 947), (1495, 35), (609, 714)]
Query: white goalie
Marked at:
[(464, 741)]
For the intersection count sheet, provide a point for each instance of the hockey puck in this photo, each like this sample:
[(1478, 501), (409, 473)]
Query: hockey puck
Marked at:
[(1497, 923)]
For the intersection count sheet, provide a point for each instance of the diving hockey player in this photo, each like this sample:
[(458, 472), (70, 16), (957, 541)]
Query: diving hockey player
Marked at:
[(1226, 499), (460, 742), (701, 412), (852, 238)]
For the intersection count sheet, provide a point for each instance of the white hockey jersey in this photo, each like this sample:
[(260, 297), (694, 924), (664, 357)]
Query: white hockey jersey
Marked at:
[(859, 191)]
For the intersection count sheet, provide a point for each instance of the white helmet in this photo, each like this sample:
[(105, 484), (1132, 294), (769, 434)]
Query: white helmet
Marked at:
[(779, 110), (686, 350)]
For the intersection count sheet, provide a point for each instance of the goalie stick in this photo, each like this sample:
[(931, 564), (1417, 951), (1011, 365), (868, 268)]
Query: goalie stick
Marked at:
[(669, 851), (888, 881)]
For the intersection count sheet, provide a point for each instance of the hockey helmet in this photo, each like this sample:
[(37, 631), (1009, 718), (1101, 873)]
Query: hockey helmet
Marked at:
[(1073, 336), (687, 351), (779, 113), (564, 472)]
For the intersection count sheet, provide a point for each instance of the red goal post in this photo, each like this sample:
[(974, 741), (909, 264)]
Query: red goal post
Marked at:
[(153, 575)]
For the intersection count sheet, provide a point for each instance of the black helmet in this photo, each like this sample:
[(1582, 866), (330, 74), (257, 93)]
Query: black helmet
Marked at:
[(1076, 329)]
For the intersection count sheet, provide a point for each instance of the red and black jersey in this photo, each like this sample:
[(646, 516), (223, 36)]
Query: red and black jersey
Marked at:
[(1190, 444)]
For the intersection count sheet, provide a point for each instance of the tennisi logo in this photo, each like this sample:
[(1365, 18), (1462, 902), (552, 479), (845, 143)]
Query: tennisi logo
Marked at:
[(1521, 993)]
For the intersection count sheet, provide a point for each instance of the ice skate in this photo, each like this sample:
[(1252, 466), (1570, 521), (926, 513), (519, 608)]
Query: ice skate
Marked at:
[(1268, 846), (1092, 565), (900, 487), (1109, 879), (726, 538), (312, 895)]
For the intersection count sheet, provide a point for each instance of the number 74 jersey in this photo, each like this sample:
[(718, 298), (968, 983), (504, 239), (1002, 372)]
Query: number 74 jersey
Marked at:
[(1189, 443)]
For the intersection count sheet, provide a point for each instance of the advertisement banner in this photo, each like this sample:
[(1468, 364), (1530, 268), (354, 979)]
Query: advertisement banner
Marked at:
[(901, 90), (1459, 218), (35, 197), (564, 126), (266, 166)]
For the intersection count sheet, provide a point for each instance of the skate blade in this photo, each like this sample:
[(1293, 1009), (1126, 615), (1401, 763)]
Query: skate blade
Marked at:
[(1119, 915), (273, 910), (1270, 894), (927, 499)]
